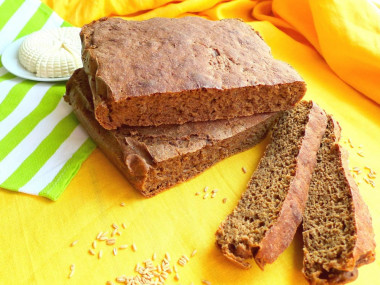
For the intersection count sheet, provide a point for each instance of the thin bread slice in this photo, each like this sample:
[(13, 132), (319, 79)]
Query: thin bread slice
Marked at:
[(156, 158), (173, 71), (337, 230), (267, 216)]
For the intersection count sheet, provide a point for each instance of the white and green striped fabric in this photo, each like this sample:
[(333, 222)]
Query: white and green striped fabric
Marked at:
[(42, 144)]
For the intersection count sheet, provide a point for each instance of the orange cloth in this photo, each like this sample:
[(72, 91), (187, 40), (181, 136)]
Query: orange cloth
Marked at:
[(35, 243)]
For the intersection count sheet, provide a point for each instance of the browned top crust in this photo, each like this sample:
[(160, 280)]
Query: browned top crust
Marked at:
[(160, 55)]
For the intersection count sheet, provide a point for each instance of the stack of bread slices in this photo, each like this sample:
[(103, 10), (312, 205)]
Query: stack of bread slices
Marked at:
[(167, 98)]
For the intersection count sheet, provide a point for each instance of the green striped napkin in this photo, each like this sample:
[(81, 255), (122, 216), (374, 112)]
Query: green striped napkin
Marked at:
[(42, 144)]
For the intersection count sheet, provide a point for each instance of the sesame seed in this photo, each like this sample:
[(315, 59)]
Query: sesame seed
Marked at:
[(215, 191), (360, 146), (206, 282), (91, 251), (114, 251), (205, 196), (100, 254), (360, 153), (197, 193), (185, 257), (206, 189), (99, 235), (193, 253), (123, 225), (224, 200), (167, 256), (122, 204), (103, 238), (213, 195), (114, 232), (175, 268), (74, 242), (72, 269), (176, 277), (154, 256), (134, 248), (123, 246), (110, 241), (244, 170), (109, 283), (115, 226), (94, 244)]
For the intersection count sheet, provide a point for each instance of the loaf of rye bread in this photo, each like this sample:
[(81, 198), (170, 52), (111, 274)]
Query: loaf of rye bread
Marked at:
[(156, 158), (266, 218), (337, 229), (173, 71)]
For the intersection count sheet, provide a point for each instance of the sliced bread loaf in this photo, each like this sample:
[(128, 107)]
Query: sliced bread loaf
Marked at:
[(156, 158), (173, 71), (337, 231), (267, 216)]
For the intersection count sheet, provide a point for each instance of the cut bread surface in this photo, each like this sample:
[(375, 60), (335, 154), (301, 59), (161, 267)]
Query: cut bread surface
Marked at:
[(267, 216), (337, 230)]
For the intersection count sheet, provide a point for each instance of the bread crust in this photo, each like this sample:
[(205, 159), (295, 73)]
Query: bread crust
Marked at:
[(167, 71), (278, 237), (156, 158)]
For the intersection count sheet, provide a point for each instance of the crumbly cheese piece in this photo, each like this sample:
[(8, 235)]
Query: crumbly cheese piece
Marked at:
[(52, 53)]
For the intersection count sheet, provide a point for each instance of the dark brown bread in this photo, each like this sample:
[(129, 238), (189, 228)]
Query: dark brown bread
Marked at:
[(172, 71), (337, 231), (267, 216), (156, 158)]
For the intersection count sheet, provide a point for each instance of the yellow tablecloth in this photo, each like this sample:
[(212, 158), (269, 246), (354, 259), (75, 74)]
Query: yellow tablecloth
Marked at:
[(334, 46)]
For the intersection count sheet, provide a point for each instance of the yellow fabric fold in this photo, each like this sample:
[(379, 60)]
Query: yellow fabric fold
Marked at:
[(35, 243)]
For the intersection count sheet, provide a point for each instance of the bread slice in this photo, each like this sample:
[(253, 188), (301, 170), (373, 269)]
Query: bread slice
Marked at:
[(267, 216), (156, 158), (173, 71), (337, 231)]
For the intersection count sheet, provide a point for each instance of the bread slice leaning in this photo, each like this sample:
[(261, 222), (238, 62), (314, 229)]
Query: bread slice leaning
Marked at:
[(337, 231), (267, 216)]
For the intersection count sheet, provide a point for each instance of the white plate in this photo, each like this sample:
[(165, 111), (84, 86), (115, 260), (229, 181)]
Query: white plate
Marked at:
[(13, 65)]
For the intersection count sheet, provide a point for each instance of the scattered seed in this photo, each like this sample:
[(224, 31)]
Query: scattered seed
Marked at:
[(72, 269), (114, 232), (94, 244), (176, 277), (91, 251), (206, 189), (99, 235), (115, 226), (175, 268), (100, 254), (154, 256), (213, 195), (197, 193), (122, 204), (206, 282), (134, 248), (110, 241), (114, 251), (205, 196), (123, 246), (360, 153), (124, 226), (193, 253), (121, 279), (74, 242), (167, 256), (109, 283), (224, 200), (103, 238), (215, 191), (244, 170)]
